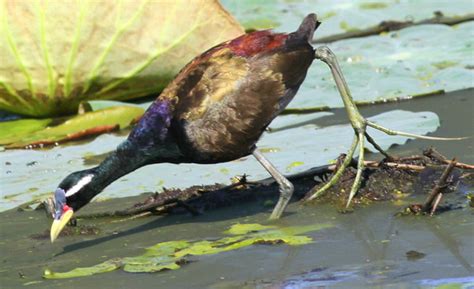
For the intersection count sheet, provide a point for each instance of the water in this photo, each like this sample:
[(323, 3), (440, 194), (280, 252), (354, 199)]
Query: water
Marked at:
[(364, 249)]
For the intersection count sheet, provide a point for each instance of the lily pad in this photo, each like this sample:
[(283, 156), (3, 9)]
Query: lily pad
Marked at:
[(37, 132), (16, 129), (94, 105), (57, 54), (357, 13), (170, 255), (434, 57), (411, 61)]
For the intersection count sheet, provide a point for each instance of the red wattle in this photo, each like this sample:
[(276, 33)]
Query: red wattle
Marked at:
[(66, 208)]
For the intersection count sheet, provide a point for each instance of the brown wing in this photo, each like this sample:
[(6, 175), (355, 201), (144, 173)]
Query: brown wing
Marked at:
[(224, 114), (227, 129), (219, 77)]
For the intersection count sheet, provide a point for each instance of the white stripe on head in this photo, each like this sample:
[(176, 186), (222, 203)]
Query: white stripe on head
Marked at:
[(77, 187)]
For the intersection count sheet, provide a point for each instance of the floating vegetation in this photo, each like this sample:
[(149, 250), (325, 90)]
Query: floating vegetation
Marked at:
[(171, 255)]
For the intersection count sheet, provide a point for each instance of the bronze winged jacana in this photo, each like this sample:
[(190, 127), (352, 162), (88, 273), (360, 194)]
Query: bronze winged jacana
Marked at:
[(215, 110)]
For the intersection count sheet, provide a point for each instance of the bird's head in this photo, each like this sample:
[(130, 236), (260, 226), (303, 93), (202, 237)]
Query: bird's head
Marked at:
[(75, 191)]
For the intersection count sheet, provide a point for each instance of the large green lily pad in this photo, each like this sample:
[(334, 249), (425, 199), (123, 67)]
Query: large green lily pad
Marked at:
[(170, 255), (57, 54)]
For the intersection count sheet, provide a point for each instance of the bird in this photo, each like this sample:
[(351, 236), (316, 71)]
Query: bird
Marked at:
[(215, 110)]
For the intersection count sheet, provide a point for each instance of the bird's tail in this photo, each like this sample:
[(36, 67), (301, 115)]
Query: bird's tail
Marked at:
[(306, 30)]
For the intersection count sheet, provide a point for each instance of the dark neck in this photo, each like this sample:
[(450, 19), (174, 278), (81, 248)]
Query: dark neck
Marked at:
[(125, 159), (120, 162), (112, 168)]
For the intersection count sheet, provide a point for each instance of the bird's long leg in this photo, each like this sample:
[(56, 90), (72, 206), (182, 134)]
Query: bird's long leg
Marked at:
[(358, 122), (286, 187), (360, 169)]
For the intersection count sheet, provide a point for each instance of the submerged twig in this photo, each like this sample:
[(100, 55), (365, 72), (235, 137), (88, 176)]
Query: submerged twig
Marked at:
[(388, 26), (436, 203), (437, 190)]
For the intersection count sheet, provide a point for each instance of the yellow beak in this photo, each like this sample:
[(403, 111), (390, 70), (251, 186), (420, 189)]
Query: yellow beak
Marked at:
[(58, 225)]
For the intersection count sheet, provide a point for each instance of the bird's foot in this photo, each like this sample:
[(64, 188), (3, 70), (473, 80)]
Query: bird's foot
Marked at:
[(359, 124), (359, 142), (286, 187)]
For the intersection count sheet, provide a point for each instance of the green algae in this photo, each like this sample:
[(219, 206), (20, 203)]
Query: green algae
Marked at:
[(240, 229), (373, 5), (293, 165), (328, 15), (270, 150), (172, 254), (455, 286), (444, 64), (346, 27)]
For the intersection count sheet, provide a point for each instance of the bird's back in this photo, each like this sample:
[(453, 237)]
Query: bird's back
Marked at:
[(220, 103)]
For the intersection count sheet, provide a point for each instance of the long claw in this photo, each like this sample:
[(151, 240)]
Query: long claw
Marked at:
[(337, 175), (401, 133), (360, 169)]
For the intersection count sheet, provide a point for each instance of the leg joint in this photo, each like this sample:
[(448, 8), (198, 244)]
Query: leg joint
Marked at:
[(324, 53), (287, 189), (360, 129)]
